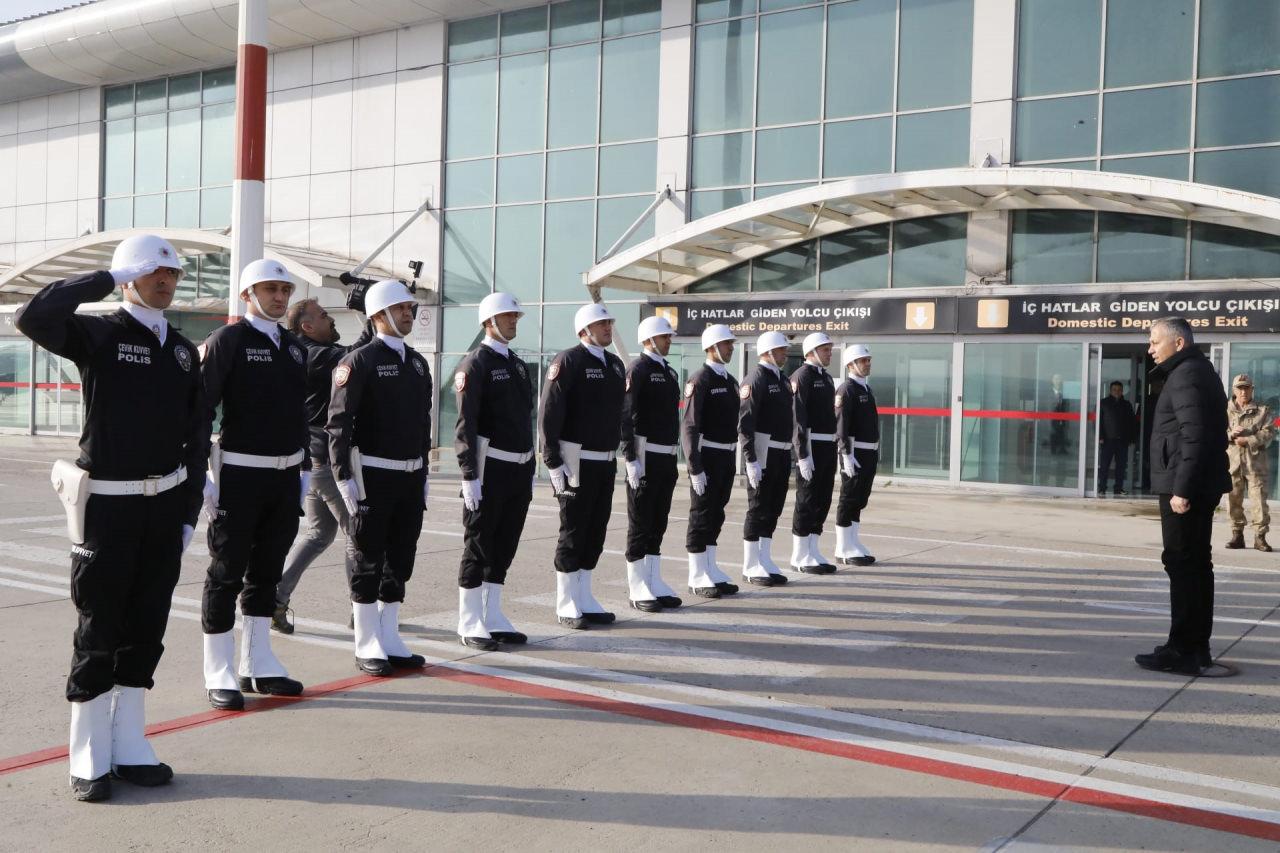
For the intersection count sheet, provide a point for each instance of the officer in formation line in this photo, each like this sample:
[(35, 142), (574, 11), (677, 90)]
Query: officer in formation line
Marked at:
[(815, 449), (650, 431), (494, 445), (257, 478), (766, 421), (379, 442), (858, 444), (131, 497)]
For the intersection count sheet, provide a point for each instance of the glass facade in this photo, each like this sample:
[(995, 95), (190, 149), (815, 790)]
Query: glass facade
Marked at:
[(912, 384), (1262, 362)]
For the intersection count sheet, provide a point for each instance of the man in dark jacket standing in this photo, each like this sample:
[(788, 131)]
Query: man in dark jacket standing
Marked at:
[(1189, 473), (1115, 433)]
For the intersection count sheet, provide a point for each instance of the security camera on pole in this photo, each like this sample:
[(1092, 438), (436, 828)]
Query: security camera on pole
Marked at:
[(814, 444), (765, 425), (858, 445)]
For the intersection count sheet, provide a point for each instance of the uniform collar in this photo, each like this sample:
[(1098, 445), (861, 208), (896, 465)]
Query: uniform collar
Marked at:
[(267, 327), (497, 346), (149, 317), (719, 368), (396, 344), (598, 352), (815, 366), (773, 367), (859, 379), (656, 357)]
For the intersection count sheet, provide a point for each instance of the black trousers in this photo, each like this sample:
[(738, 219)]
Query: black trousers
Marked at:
[(1188, 562), (122, 581), (584, 516), (813, 497), (764, 505), (856, 490), (1109, 451), (492, 532), (258, 512), (706, 511), (649, 507), (385, 532)]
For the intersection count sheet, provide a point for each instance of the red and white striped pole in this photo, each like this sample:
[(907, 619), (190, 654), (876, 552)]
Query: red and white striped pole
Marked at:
[(248, 191)]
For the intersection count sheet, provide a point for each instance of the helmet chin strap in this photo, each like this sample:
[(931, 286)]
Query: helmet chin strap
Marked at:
[(395, 330), (495, 334), (716, 356), (137, 294), (253, 297)]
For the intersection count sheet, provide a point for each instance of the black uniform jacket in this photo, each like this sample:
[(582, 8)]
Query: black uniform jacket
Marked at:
[(766, 407), (710, 411), (815, 407), (1189, 429), (495, 400), (651, 405), (857, 418), (582, 403), (321, 360), (143, 406)]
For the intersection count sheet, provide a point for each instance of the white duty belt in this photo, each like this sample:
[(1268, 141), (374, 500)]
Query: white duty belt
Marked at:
[(822, 436), (406, 465), (598, 455), (253, 460), (664, 449), (508, 456), (866, 445), (715, 445), (149, 486), (779, 445)]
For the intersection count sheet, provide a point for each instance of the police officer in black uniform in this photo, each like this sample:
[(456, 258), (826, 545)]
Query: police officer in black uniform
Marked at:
[(858, 443), (258, 475), (815, 448), (137, 484), (581, 425), (765, 424), (494, 445), (379, 443), (650, 430), (709, 432)]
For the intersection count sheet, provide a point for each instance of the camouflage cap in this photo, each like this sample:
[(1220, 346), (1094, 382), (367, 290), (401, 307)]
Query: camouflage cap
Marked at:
[(1242, 380)]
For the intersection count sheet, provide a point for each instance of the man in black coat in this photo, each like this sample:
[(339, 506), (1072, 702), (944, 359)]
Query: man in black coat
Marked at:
[(1189, 473), (1116, 428)]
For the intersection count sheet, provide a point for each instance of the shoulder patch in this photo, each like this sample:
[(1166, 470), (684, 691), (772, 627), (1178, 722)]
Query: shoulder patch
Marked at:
[(459, 381), (745, 392), (420, 367), (553, 372), (688, 389), (341, 375), (183, 355), (296, 352)]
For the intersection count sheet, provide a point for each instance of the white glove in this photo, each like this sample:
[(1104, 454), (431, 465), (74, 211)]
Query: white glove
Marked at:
[(350, 496), (133, 272), (304, 483), (754, 473), (805, 467), (426, 489), (635, 470), (210, 499), (187, 532), (698, 482), (471, 496), (559, 479), (848, 465)]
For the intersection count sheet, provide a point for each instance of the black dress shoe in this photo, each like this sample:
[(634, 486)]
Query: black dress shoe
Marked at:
[(648, 606), (705, 591), (144, 775), (226, 700), (276, 685), (484, 644), (727, 588), (779, 579), (514, 638), (604, 617), (669, 601), (863, 561), (823, 569), (91, 790), (767, 580), (406, 661), (380, 667), (578, 623), (1165, 659)]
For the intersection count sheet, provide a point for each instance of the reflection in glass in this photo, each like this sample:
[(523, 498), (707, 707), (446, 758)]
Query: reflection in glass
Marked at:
[(149, 155), (932, 140), (1058, 46), (571, 173), (520, 102), (572, 100), (520, 178), (570, 239), (1231, 112), (1135, 28), (1173, 166), (184, 91), (711, 10), (623, 17), (517, 264), (787, 153), (219, 85), (724, 76), (857, 148), (184, 149), (1146, 120), (525, 29), (150, 97), (117, 178), (1262, 362), (117, 213), (629, 89), (117, 101), (707, 202), (215, 208), (616, 215), (575, 21), (1057, 128), (724, 159), (628, 168), (935, 53), (912, 384), (1051, 247), (929, 252), (148, 211), (473, 39), (183, 210), (1238, 37), (860, 65), (215, 144), (733, 280), (1255, 170), (1140, 248), (793, 268), (790, 67), (856, 259), (472, 105), (1221, 252), (468, 182), (468, 255)]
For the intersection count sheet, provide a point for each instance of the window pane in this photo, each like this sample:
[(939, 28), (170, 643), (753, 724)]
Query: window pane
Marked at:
[(215, 208), (468, 255), (787, 154), (569, 244), (794, 268), (184, 91), (623, 17), (473, 39), (929, 252), (1058, 46), (571, 173), (779, 189), (712, 10), (461, 334), (184, 149), (628, 168), (468, 183), (219, 85), (557, 325), (575, 21), (734, 280), (856, 260), (1051, 247), (517, 263), (148, 211), (1220, 252), (790, 67), (1232, 112), (524, 30), (183, 210), (1255, 170), (860, 57), (572, 103), (1140, 248), (149, 155), (118, 158), (1146, 120), (520, 102), (629, 89), (914, 376), (933, 140), (708, 202), (724, 76), (215, 275), (1148, 41), (117, 213), (520, 179), (722, 160), (1163, 166), (857, 148), (472, 105), (117, 101), (934, 60), (216, 144), (1238, 36), (150, 97), (616, 215), (1057, 128)]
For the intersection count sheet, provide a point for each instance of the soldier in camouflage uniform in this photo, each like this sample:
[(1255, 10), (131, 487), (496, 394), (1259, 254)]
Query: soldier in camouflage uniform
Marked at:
[(1250, 427)]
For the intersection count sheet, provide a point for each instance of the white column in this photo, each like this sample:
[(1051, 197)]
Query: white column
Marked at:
[(991, 130), (248, 188), (675, 85)]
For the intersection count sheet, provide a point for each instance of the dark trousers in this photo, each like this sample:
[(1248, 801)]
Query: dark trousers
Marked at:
[(492, 532), (649, 506), (1188, 562), (813, 497), (1117, 450), (764, 505), (122, 581), (584, 516), (258, 511), (855, 491), (706, 511), (385, 531)]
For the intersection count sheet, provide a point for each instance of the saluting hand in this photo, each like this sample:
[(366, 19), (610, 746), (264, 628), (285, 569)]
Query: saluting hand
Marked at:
[(133, 272)]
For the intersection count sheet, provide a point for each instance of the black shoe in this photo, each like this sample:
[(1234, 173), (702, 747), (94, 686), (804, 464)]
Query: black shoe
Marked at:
[(823, 569), (578, 623), (648, 606), (276, 685), (1165, 659), (705, 591), (514, 638), (604, 617), (484, 644), (1237, 539), (406, 661), (767, 580), (863, 561), (144, 775), (727, 588), (226, 700), (779, 579), (669, 602), (91, 790), (280, 620), (380, 667), (830, 567)]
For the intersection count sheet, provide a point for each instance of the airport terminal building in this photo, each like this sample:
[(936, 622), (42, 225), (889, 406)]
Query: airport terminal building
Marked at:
[(997, 196)]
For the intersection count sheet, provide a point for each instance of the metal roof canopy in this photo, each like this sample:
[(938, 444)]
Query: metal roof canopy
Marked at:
[(93, 252), (673, 261)]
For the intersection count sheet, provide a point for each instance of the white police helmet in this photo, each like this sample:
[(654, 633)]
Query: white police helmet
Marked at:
[(383, 294), (651, 327), (770, 341), (853, 352), (499, 303), (256, 272), (716, 334), (146, 247), (815, 340), (592, 312)]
